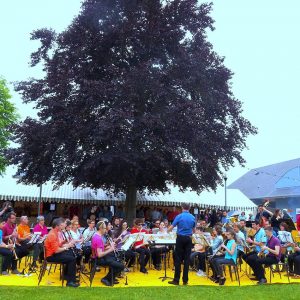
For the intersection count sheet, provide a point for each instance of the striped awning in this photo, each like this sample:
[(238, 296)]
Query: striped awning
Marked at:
[(11, 190)]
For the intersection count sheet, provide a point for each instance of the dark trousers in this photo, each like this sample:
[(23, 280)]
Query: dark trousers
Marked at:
[(21, 251), (256, 264), (69, 262), (130, 257), (294, 263), (7, 258), (245, 256), (201, 260), (213, 265), (217, 265), (144, 255), (38, 249), (156, 255), (87, 252), (115, 267), (182, 254)]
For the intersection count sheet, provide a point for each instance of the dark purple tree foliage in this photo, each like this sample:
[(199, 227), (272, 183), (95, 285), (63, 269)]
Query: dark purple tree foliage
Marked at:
[(133, 98)]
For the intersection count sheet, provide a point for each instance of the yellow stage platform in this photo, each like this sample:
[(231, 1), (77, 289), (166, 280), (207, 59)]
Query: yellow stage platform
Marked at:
[(135, 279)]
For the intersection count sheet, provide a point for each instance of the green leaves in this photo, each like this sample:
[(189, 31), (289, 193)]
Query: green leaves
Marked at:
[(8, 117)]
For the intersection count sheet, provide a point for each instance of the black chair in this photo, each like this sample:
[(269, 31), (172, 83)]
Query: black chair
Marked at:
[(277, 268), (235, 269), (46, 264)]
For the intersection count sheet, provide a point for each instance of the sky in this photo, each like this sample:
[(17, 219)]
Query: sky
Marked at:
[(260, 42)]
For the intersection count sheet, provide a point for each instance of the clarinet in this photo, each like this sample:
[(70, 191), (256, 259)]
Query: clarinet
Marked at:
[(67, 238), (109, 239)]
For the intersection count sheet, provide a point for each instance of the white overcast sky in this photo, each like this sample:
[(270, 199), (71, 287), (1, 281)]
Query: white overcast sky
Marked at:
[(259, 39)]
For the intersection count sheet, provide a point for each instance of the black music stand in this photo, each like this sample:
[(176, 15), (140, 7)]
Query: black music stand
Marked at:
[(165, 277)]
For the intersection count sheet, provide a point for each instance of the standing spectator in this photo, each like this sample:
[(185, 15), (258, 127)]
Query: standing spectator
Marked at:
[(107, 213), (155, 215)]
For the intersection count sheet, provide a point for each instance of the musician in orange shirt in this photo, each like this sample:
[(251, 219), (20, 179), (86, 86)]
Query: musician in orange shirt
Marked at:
[(56, 252), (23, 231)]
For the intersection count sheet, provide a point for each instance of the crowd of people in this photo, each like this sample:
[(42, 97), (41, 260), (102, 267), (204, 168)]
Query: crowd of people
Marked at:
[(211, 240)]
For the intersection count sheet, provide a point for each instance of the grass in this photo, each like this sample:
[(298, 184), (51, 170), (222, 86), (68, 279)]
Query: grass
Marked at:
[(273, 291)]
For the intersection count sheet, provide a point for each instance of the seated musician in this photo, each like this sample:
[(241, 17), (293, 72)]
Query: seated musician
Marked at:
[(158, 250), (272, 257), (199, 252), (87, 239), (229, 258), (140, 247), (256, 242), (240, 238), (60, 254), (284, 235), (215, 249), (294, 262), (5, 251), (10, 235), (108, 231), (217, 238), (23, 230), (121, 235), (286, 241), (103, 255), (77, 238), (243, 228), (38, 248)]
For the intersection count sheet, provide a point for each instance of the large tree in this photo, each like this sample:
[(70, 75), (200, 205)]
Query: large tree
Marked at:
[(8, 117), (133, 98)]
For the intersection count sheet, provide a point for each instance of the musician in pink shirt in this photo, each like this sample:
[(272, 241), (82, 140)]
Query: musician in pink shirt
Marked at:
[(38, 247)]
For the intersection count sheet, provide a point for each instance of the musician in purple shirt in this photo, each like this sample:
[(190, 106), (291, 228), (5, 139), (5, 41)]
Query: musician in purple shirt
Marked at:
[(271, 258)]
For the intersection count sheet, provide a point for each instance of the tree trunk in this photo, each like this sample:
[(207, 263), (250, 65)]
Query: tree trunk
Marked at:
[(130, 204)]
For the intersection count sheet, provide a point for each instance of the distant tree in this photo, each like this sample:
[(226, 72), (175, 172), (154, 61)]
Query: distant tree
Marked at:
[(133, 98), (7, 117)]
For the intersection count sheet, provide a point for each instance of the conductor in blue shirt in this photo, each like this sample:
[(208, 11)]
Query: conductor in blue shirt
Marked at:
[(185, 223)]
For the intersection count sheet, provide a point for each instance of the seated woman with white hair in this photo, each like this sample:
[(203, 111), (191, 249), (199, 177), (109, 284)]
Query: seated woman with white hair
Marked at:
[(38, 248)]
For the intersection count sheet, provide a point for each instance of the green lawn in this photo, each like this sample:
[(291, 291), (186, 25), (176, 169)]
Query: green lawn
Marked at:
[(274, 291)]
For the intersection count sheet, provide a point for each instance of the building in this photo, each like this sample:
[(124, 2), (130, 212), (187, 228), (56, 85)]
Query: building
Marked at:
[(279, 183)]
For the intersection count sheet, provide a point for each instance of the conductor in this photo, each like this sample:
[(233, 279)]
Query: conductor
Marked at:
[(185, 223)]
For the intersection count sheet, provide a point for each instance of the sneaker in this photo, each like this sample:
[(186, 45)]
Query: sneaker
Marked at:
[(15, 272), (199, 273), (5, 273), (126, 270)]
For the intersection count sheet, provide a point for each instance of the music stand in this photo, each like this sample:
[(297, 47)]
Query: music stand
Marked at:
[(165, 277)]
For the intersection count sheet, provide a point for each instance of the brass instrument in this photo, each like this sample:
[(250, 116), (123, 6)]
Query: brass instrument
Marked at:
[(266, 204), (200, 239), (14, 248)]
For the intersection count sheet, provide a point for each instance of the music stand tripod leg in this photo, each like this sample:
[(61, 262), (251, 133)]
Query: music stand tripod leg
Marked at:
[(163, 278)]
